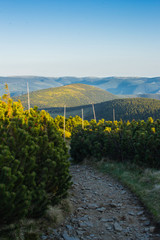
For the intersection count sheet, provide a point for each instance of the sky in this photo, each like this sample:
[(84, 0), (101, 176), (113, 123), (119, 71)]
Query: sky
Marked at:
[(80, 38)]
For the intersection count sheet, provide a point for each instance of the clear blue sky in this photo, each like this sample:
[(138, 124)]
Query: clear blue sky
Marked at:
[(80, 37)]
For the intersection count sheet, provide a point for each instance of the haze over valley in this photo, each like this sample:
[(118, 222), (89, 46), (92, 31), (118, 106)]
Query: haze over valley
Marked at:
[(115, 85)]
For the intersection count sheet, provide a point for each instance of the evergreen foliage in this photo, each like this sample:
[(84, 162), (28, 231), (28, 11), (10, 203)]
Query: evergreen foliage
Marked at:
[(70, 124), (135, 141), (34, 167)]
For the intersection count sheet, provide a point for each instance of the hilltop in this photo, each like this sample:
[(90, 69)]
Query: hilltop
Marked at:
[(125, 109), (70, 95)]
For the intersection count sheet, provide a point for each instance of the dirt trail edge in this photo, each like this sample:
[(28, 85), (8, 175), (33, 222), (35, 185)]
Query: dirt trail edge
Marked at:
[(103, 210)]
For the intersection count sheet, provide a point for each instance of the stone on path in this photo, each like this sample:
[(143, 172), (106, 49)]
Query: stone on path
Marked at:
[(117, 227)]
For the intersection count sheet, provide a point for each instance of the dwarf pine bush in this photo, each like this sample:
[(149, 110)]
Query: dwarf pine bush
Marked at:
[(34, 167)]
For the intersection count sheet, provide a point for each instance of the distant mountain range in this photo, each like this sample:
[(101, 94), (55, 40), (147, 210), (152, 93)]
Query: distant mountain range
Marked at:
[(115, 85), (125, 109), (70, 95)]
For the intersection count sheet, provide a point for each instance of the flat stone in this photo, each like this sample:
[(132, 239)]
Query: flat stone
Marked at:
[(80, 209), (80, 232), (84, 218), (123, 192), (117, 227), (92, 206), (140, 213), (131, 213), (92, 235), (102, 209), (110, 185), (106, 220)]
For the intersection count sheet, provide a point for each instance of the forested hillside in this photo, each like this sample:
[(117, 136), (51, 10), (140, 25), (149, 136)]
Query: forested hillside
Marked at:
[(70, 95), (126, 109)]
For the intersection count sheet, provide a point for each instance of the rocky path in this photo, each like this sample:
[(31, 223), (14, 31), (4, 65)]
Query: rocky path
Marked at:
[(103, 210)]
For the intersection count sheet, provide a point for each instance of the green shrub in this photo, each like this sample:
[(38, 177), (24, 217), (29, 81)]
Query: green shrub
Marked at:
[(135, 141), (33, 162)]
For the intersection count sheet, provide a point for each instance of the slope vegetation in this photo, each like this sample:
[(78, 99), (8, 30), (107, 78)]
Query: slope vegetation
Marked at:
[(125, 109), (70, 95)]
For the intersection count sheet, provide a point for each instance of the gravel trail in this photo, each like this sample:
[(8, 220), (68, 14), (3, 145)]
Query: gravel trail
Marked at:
[(103, 210)]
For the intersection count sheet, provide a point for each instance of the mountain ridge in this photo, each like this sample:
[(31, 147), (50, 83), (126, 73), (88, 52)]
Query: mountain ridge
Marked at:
[(115, 85)]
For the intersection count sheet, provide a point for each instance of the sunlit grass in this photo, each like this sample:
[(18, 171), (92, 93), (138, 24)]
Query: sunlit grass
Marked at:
[(145, 183)]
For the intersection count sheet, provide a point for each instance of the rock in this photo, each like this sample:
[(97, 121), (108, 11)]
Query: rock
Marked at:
[(82, 224), (140, 213), (44, 237), (123, 192), (92, 235), (143, 218), (92, 206), (117, 227), (69, 227), (106, 220), (80, 209), (67, 237), (146, 229), (102, 209), (113, 205), (80, 233), (89, 224), (152, 229), (147, 223), (55, 233), (84, 218), (85, 224), (110, 185), (74, 220), (108, 226), (131, 213)]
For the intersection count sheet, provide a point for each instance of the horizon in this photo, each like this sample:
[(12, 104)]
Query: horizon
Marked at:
[(28, 76), (85, 38)]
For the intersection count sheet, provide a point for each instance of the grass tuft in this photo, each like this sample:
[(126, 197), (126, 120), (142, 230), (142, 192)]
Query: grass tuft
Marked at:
[(31, 229)]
